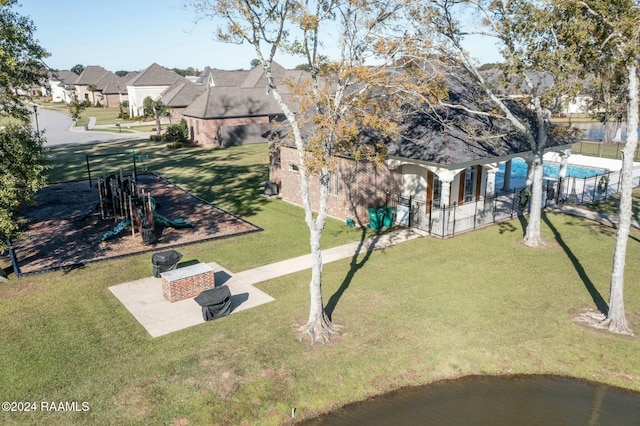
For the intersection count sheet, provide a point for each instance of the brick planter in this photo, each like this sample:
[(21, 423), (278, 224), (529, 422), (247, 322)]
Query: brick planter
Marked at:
[(187, 282)]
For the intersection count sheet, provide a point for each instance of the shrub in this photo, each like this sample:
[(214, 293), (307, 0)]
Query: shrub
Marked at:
[(155, 138), (174, 145), (177, 132)]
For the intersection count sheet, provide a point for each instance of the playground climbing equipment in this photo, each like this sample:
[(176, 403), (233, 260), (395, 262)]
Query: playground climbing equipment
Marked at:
[(129, 206)]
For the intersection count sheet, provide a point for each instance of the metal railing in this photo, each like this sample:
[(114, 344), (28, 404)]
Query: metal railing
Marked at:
[(601, 149), (448, 221)]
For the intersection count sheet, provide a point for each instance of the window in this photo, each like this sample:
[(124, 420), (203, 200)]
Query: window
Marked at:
[(437, 191), (470, 183), (293, 167), (333, 184)]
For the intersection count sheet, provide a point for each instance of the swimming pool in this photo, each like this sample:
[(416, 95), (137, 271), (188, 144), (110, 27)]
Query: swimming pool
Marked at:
[(551, 170)]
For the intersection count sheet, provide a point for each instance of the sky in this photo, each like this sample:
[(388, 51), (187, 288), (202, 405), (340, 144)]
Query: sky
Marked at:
[(130, 35)]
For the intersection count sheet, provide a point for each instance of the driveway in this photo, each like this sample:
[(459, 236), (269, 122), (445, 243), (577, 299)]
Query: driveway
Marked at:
[(57, 127)]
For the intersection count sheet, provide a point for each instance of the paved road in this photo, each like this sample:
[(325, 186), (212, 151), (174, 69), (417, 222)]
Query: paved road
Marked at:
[(58, 127)]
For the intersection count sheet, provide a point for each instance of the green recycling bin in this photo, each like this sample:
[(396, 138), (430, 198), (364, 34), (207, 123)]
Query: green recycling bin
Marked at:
[(389, 216), (375, 218)]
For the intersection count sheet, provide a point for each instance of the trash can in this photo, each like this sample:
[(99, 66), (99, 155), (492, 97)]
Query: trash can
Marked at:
[(375, 218), (389, 216), (216, 302), (165, 261)]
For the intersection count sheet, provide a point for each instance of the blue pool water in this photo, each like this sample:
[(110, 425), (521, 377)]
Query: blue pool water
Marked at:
[(551, 170)]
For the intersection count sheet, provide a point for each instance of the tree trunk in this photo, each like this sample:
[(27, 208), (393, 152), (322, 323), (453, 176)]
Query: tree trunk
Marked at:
[(616, 320), (158, 125), (532, 236), (318, 327)]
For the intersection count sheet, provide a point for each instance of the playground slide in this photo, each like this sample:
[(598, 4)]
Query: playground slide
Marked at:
[(175, 223), (115, 231)]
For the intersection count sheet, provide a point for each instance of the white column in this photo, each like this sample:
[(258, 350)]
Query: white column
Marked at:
[(562, 173), (491, 182), (446, 191), (506, 186)]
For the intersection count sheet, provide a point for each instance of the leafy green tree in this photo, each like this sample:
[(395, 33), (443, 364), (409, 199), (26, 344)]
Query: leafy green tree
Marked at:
[(21, 148), (121, 73), (76, 107), (78, 68), (92, 88), (155, 109)]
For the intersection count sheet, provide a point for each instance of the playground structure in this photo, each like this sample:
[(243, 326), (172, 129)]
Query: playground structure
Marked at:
[(121, 199)]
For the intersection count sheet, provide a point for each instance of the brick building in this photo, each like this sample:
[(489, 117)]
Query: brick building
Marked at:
[(354, 186), (436, 163)]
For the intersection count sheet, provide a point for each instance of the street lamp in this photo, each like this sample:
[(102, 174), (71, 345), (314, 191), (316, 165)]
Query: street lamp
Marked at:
[(35, 114)]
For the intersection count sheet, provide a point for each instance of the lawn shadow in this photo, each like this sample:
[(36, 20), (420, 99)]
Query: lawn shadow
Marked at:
[(355, 267), (523, 223), (600, 303)]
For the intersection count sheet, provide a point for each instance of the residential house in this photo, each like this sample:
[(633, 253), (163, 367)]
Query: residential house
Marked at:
[(236, 107), (224, 116), (61, 84), (150, 82), (441, 159), (179, 96), (91, 85)]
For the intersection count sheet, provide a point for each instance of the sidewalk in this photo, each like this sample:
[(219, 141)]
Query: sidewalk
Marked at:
[(578, 211), (144, 298)]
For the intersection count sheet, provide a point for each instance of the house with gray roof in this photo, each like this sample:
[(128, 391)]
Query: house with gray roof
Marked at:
[(62, 86), (223, 116), (91, 85), (442, 160), (236, 108), (150, 82), (179, 96)]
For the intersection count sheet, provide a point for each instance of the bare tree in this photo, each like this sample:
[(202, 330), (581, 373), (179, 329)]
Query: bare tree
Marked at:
[(524, 32), (341, 96), (609, 32)]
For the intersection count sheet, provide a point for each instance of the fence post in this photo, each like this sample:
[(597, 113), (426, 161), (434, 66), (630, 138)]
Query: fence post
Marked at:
[(453, 228), (595, 186), (617, 149), (475, 215), (600, 149), (430, 216), (513, 202), (584, 185)]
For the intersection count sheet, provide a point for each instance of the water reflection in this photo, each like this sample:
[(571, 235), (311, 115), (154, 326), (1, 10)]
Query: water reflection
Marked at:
[(502, 400), (595, 131)]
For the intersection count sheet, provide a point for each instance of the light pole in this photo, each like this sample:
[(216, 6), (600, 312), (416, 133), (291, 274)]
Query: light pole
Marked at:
[(35, 114)]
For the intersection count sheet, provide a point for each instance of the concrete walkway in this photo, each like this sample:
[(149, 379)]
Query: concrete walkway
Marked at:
[(589, 214), (144, 298)]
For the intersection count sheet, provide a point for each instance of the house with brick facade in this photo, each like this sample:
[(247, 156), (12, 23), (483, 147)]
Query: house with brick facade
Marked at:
[(179, 96), (441, 159), (100, 87), (236, 107)]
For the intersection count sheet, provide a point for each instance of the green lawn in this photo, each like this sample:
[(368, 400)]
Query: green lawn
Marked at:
[(425, 310), (612, 205)]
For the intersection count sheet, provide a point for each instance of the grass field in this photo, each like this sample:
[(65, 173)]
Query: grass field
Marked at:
[(422, 311)]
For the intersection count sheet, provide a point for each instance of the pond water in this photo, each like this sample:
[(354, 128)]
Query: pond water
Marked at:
[(595, 131), (496, 401)]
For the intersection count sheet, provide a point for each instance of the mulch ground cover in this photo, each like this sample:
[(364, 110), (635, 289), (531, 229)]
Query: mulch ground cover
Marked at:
[(65, 227)]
